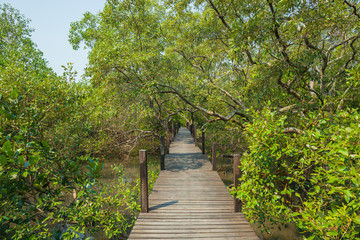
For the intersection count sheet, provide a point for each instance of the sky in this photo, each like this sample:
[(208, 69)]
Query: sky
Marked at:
[(51, 21)]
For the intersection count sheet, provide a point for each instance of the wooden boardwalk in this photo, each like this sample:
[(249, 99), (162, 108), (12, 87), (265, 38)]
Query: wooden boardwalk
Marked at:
[(189, 201)]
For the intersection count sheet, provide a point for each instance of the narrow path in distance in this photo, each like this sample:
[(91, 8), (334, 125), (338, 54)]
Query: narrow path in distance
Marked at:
[(190, 201)]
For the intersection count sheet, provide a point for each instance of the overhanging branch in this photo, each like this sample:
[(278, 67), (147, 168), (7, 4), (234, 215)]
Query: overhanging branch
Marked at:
[(206, 111)]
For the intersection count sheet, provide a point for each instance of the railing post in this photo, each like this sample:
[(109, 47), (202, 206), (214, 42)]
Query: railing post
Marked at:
[(173, 130), (162, 153), (168, 141), (237, 175), (203, 142), (144, 181), (194, 134), (213, 156)]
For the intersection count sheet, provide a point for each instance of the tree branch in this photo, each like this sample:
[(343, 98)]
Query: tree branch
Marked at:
[(208, 112), (277, 36), (237, 102), (288, 89), (220, 15), (292, 130), (353, 7), (188, 60), (247, 52), (343, 42)]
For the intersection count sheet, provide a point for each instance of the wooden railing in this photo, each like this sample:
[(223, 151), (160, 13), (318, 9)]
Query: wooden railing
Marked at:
[(236, 162), (144, 168), (175, 129)]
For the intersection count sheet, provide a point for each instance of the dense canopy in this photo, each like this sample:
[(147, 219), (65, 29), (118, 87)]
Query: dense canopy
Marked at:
[(278, 78)]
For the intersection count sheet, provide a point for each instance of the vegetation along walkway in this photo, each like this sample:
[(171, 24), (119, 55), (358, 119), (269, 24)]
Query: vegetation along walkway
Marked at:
[(190, 201)]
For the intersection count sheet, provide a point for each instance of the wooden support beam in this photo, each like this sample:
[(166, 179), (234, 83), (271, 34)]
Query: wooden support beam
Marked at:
[(203, 142), (195, 134), (237, 175), (173, 131), (213, 156), (168, 140), (162, 153), (144, 181)]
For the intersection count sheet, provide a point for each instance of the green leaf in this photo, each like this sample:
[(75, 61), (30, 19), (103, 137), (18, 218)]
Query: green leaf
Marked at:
[(7, 147), (3, 160), (26, 164), (13, 174), (21, 160), (343, 151), (25, 174), (348, 193), (357, 220), (332, 233), (14, 93), (34, 159)]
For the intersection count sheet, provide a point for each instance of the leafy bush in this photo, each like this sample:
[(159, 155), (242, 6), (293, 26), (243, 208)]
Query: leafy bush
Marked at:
[(311, 178), (34, 180), (44, 194), (112, 208)]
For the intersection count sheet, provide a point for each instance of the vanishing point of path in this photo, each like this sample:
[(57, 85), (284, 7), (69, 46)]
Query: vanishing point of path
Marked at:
[(190, 201)]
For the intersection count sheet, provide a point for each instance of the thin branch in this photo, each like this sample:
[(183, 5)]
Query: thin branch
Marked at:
[(343, 42), (342, 100), (288, 89), (143, 132), (292, 130), (277, 35), (353, 8), (188, 60), (237, 102), (208, 112), (247, 52), (220, 15), (346, 65), (287, 108), (325, 60)]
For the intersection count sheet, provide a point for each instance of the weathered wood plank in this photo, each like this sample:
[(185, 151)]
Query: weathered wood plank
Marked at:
[(191, 235), (189, 200)]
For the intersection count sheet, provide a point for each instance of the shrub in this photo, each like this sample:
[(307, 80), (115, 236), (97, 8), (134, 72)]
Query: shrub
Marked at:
[(311, 178)]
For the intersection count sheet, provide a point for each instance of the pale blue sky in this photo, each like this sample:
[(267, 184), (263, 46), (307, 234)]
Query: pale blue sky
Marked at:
[(51, 20)]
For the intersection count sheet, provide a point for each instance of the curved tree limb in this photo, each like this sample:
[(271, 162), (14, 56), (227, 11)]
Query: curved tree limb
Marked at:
[(288, 89), (206, 111), (236, 101), (353, 8)]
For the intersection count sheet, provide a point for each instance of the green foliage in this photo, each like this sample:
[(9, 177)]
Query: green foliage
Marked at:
[(152, 62), (50, 128), (112, 208), (41, 191), (309, 178), (34, 179)]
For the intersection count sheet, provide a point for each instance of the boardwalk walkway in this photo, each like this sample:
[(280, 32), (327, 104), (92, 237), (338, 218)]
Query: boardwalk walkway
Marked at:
[(189, 201)]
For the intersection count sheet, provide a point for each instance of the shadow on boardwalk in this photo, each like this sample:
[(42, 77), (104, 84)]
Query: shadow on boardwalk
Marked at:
[(184, 161)]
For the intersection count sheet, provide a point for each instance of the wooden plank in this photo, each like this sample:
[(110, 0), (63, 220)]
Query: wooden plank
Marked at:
[(182, 231), (200, 227), (187, 235)]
